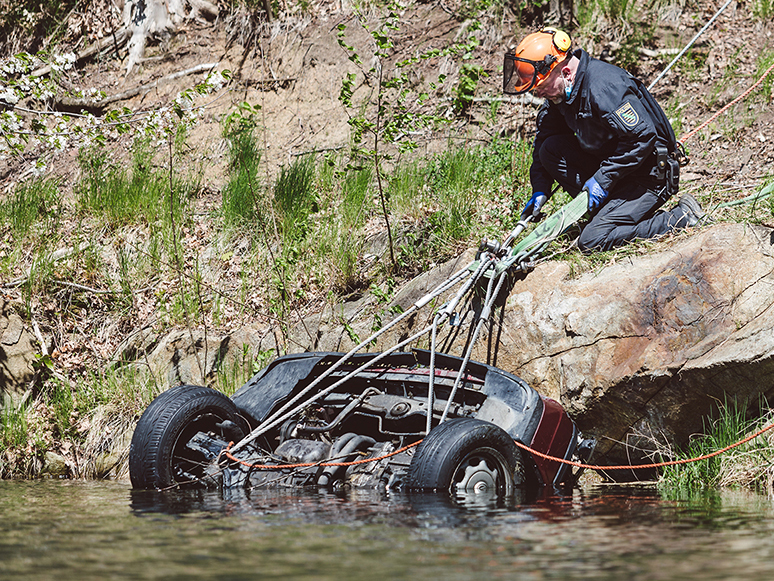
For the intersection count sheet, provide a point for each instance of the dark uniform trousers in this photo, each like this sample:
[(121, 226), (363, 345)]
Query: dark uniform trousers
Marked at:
[(631, 210)]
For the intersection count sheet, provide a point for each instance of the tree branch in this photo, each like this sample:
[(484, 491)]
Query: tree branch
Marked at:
[(117, 39), (77, 105)]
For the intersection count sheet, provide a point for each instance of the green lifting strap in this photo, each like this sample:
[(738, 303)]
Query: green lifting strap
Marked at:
[(548, 230)]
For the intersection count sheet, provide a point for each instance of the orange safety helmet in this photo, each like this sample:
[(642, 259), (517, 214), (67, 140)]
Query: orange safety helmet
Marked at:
[(534, 59)]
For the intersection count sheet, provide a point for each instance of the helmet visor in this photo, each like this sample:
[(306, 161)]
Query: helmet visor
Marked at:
[(520, 75)]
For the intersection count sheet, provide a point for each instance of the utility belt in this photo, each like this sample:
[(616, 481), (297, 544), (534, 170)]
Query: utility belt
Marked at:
[(667, 169)]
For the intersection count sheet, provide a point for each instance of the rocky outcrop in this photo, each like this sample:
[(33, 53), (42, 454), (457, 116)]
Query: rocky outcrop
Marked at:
[(195, 356), (17, 353), (641, 351)]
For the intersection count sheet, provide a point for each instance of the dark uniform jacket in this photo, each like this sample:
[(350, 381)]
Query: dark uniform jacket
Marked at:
[(614, 118)]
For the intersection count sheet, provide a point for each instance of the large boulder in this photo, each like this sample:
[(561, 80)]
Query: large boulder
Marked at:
[(195, 356), (641, 351)]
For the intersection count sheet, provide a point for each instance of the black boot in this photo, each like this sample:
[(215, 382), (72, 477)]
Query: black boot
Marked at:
[(692, 210)]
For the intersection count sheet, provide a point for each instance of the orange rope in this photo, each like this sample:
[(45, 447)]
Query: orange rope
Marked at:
[(519, 444), (716, 115), (644, 466)]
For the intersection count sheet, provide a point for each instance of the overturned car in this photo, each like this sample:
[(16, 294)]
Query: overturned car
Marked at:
[(412, 420)]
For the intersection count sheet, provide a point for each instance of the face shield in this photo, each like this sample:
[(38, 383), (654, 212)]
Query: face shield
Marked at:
[(521, 75)]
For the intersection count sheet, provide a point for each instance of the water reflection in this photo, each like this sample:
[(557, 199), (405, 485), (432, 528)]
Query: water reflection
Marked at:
[(611, 506), (104, 530), (397, 508)]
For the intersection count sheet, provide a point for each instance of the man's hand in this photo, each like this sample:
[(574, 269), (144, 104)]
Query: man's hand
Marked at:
[(532, 209), (596, 194)]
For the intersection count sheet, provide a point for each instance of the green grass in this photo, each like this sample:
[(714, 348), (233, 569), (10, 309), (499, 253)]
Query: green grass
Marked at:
[(234, 374), (730, 76), (145, 194), (34, 202), (673, 110), (13, 426), (128, 388), (88, 414), (31, 214), (742, 205), (41, 273), (613, 17), (763, 9), (356, 189), (407, 194), (748, 465), (149, 210), (461, 181), (617, 9), (16, 457), (322, 203), (243, 195), (295, 198), (345, 250), (765, 60)]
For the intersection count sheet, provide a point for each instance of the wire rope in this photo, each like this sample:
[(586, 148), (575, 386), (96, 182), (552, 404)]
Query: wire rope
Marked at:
[(690, 44)]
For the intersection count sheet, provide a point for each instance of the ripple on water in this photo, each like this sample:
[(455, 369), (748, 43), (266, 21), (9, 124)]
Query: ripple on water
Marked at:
[(99, 530)]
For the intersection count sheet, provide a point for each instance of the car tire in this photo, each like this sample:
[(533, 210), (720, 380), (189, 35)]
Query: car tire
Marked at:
[(158, 454), (466, 455)]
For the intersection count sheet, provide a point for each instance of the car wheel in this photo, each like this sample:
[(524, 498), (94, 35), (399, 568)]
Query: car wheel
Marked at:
[(466, 455), (159, 455)]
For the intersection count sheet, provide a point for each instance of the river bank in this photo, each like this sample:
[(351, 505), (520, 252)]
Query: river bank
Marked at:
[(151, 248)]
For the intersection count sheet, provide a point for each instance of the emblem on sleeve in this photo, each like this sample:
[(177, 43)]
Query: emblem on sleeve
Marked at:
[(627, 115)]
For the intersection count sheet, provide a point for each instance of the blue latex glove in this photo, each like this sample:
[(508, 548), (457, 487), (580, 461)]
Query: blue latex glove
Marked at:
[(533, 206), (596, 194)]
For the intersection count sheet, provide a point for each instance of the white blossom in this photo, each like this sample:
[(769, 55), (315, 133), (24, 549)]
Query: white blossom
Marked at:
[(215, 81), (57, 131), (8, 95)]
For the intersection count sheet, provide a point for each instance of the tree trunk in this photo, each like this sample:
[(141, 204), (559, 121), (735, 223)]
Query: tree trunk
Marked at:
[(158, 18)]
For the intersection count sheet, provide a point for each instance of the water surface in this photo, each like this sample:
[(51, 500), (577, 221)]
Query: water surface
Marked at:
[(104, 530)]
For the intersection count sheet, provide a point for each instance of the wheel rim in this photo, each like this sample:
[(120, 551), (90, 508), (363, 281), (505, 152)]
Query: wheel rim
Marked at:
[(482, 471)]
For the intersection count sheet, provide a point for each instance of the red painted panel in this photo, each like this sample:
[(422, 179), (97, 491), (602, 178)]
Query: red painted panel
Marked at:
[(553, 437)]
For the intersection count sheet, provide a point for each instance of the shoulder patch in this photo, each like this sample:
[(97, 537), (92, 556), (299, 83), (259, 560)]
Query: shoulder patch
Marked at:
[(627, 115)]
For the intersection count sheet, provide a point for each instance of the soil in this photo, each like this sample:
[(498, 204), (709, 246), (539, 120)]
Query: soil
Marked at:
[(292, 68)]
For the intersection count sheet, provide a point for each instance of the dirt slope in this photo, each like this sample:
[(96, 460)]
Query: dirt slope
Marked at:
[(293, 69)]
